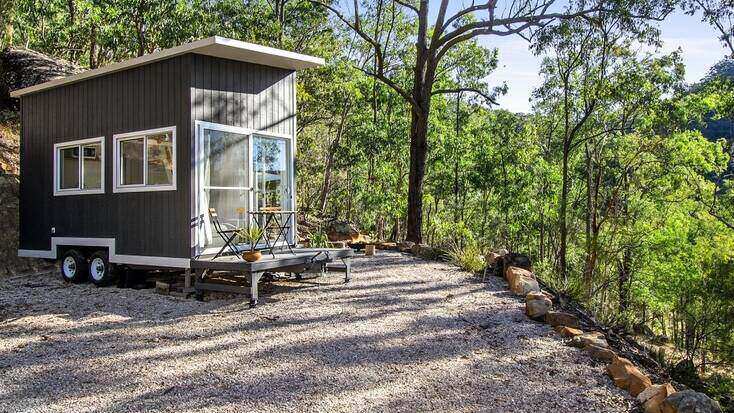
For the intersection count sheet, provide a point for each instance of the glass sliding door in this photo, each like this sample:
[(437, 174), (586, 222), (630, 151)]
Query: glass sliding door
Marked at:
[(225, 181), (238, 171), (271, 168)]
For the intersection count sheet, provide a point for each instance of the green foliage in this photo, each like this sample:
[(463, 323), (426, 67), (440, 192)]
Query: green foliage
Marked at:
[(469, 257), (250, 235), (318, 239)]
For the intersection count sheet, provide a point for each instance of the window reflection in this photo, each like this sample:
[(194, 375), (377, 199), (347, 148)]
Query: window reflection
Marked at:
[(69, 168), (92, 168), (271, 173), (160, 159)]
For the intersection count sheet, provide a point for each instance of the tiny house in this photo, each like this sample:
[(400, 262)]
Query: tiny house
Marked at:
[(121, 164)]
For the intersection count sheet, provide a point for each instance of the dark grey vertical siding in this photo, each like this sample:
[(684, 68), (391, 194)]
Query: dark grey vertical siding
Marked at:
[(143, 223), (242, 94)]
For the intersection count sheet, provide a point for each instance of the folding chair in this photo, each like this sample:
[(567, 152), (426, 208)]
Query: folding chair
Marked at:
[(226, 232)]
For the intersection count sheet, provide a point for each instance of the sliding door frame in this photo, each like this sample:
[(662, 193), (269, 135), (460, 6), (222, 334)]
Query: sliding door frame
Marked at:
[(199, 211)]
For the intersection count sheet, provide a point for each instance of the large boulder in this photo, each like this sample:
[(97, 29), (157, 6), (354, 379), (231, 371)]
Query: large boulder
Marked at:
[(628, 377), (689, 401), (653, 397), (559, 318), (21, 68), (537, 305)]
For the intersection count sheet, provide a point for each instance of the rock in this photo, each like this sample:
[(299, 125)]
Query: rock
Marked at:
[(589, 339), (568, 331), (387, 246), (537, 304), (652, 398), (558, 318), (521, 281), (491, 258), (638, 382), (432, 253), (628, 377), (20, 68), (512, 272), (517, 260), (369, 250), (342, 231), (689, 401), (406, 246), (502, 252), (600, 353), (522, 285)]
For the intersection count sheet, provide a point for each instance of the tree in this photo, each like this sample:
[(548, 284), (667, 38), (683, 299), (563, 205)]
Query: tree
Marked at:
[(433, 41)]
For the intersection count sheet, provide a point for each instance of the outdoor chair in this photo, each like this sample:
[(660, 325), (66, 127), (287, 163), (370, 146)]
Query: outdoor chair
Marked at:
[(227, 232)]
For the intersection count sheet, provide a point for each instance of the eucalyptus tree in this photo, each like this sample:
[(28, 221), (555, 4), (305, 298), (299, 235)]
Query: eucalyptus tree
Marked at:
[(584, 66), (433, 40)]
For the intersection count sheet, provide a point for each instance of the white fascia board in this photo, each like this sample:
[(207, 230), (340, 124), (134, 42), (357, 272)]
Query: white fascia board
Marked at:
[(212, 46)]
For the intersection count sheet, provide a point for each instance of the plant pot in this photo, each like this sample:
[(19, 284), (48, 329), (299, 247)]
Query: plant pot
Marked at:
[(252, 256)]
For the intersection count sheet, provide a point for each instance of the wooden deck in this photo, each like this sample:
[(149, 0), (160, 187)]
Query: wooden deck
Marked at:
[(302, 260)]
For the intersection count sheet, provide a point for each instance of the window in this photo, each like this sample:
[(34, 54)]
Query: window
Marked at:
[(145, 161), (79, 167)]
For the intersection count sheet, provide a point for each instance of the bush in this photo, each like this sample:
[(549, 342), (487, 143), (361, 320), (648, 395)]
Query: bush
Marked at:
[(469, 257)]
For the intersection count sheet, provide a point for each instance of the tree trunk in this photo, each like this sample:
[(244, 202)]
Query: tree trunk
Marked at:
[(326, 187), (563, 230), (418, 152), (93, 47)]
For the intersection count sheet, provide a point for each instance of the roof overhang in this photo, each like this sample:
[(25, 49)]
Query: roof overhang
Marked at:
[(212, 46)]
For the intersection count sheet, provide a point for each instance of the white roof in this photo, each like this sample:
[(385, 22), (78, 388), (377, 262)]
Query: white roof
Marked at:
[(211, 46)]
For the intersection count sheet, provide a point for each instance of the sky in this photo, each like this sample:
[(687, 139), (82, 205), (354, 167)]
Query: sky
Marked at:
[(519, 68)]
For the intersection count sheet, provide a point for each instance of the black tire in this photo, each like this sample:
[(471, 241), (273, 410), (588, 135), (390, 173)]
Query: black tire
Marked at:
[(100, 270), (74, 267)]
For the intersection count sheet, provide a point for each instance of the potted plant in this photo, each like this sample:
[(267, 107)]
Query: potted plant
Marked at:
[(251, 236)]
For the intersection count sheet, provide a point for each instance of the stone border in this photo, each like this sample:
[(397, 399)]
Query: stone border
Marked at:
[(654, 398)]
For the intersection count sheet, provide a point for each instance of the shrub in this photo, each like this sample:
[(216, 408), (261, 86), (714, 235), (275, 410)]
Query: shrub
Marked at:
[(468, 257), (319, 239)]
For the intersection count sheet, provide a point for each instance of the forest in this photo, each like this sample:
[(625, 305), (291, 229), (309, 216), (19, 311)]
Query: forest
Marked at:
[(619, 183)]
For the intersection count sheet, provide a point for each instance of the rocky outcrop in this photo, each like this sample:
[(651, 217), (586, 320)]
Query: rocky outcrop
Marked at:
[(689, 401), (10, 263), (20, 68)]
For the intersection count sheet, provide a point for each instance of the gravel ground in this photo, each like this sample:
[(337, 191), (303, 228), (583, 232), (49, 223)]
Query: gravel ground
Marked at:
[(405, 335)]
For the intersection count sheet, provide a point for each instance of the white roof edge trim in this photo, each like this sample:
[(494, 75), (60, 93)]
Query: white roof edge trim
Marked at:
[(296, 61)]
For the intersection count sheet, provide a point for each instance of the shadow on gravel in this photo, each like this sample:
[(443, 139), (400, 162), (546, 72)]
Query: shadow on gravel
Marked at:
[(404, 342)]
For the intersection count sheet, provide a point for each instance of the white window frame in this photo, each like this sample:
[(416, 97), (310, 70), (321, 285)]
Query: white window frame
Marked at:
[(144, 187), (57, 164)]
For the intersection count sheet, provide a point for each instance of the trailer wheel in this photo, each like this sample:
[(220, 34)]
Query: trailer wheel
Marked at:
[(100, 271), (74, 266)]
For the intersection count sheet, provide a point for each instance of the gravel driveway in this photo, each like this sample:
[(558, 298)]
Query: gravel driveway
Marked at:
[(404, 335)]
